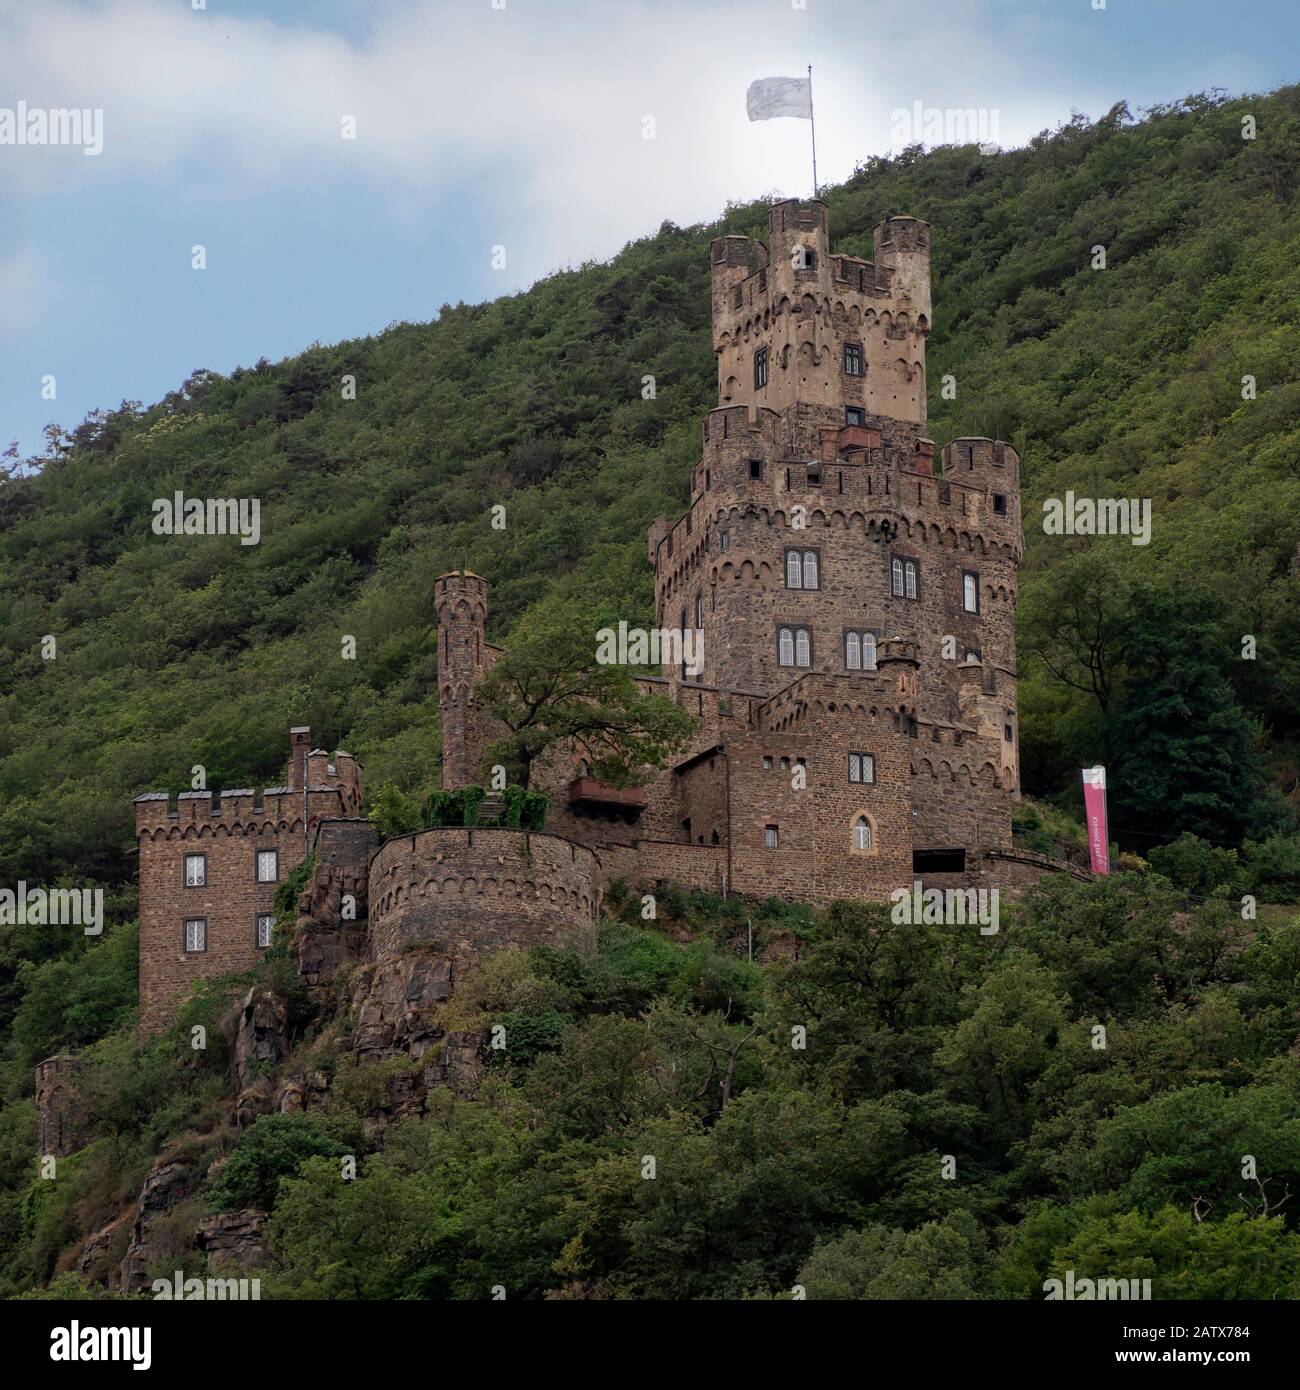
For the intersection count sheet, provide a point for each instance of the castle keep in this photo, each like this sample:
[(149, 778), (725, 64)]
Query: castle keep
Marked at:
[(856, 704), (857, 697)]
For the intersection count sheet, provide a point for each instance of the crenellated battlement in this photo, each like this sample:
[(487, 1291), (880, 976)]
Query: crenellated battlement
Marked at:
[(792, 323), (210, 865), (469, 891)]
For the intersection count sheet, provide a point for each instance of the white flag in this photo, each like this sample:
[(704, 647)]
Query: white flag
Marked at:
[(779, 96)]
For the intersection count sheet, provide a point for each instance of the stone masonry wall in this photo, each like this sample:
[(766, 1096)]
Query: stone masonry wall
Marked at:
[(228, 831), (467, 892)]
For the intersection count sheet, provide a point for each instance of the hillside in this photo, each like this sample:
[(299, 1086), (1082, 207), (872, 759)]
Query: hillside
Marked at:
[(1123, 382), (822, 1167)]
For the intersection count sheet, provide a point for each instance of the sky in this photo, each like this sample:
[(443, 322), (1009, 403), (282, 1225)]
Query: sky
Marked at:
[(494, 141)]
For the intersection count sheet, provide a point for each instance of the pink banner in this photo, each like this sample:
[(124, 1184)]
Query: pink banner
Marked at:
[(1094, 811)]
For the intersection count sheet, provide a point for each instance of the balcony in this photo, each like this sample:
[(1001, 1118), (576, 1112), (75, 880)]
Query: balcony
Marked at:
[(588, 791), (852, 438)]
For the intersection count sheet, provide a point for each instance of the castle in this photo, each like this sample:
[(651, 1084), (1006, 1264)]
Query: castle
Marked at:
[(856, 703)]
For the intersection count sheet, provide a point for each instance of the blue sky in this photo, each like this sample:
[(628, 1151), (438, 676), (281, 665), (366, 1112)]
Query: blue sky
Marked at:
[(519, 125)]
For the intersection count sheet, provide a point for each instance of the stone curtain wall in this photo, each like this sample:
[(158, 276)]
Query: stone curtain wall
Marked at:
[(468, 892)]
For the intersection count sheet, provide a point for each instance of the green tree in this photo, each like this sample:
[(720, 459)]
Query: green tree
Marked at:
[(271, 1149), (939, 1260), (549, 689), (1183, 755)]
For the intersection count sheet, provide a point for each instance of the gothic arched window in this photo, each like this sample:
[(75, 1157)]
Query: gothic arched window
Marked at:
[(785, 647), (801, 647), (793, 571), (862, 834), (810, 569)]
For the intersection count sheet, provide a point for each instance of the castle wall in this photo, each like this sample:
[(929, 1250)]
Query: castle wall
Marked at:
[(467, 892), (60, 1127), (229, 831), (803, 307)]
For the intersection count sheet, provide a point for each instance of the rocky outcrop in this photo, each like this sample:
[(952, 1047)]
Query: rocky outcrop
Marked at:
[(255, 1100), (261, 1035), (234, 1239), (60, 1124), (398, 1008), (330, 933), (97, 1261), (459, 1064), (170, 1180), (302, 1091)]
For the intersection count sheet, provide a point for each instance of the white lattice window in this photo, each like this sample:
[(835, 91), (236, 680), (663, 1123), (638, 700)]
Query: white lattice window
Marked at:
[(862, 834), (268, 865), (196, 870), (196, 934), (785, 647), (862, 767), (265, 926)]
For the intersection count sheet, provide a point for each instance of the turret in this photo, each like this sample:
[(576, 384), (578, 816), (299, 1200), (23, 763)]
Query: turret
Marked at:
[(898, 661), (840, 338), (460, 600), (299, 748), (902, 247)]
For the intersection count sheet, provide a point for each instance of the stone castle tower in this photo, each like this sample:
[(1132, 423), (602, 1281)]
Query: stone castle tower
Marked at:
[(818, 528), (460, 601), (856, 603), (856, 707)]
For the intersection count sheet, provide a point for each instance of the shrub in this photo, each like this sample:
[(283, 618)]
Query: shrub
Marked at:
[(272, 1149), (471, 796), (536, 804), (393, 812)]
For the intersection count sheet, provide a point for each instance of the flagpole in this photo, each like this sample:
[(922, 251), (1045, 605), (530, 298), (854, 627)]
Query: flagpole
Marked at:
[(812, 123)]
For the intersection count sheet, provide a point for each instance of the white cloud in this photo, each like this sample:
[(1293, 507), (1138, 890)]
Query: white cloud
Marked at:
[(536, 108)]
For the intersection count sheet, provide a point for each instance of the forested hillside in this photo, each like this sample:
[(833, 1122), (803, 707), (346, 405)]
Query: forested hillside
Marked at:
[(1118, 382), (1127, 381)]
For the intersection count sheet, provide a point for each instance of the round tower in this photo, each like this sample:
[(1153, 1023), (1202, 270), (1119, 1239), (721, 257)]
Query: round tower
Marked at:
[(460, 601)]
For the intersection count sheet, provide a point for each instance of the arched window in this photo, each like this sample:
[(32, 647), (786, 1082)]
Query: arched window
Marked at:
[(801, 647), (785, 645), (810, 569), (853, 652), (862, 834), (896, 570), (793, 573), (868, 651)]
